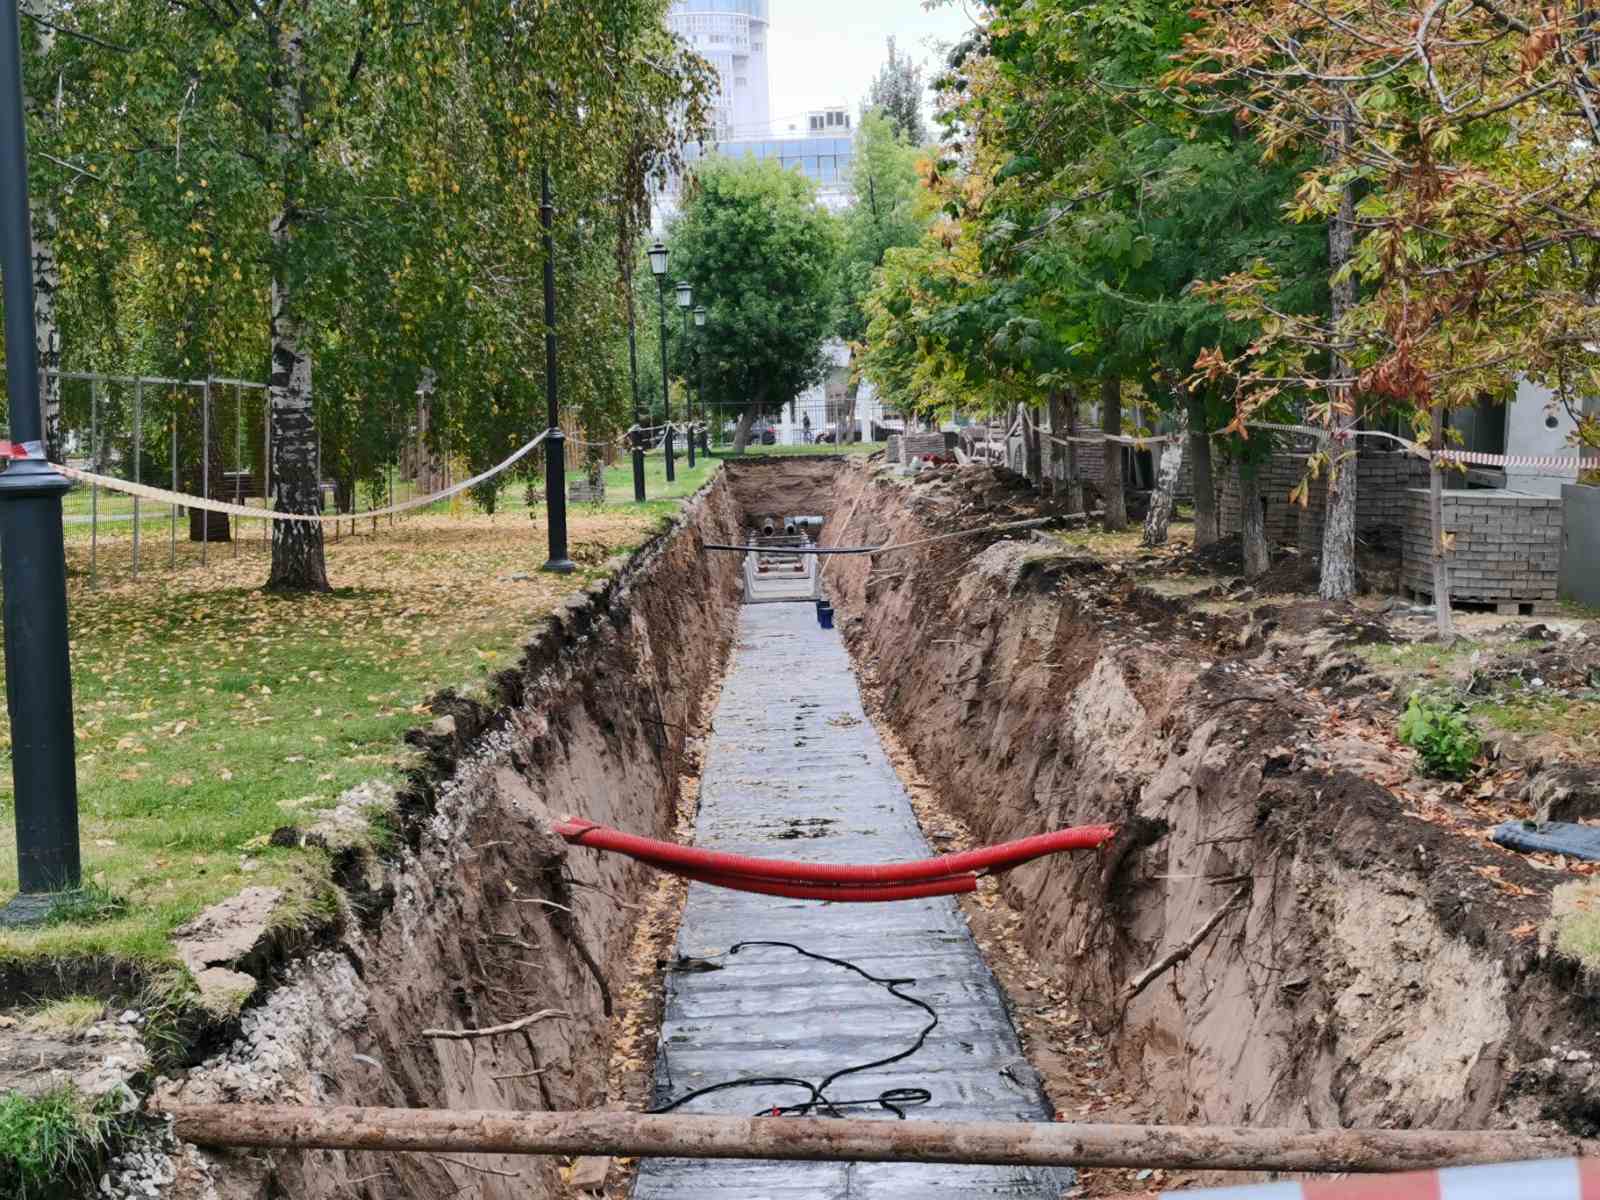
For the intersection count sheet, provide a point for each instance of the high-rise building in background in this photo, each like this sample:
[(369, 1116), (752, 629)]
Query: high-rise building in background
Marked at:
[(732, 36)]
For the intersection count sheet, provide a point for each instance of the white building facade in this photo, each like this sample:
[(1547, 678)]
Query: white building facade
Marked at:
[(732, 36)]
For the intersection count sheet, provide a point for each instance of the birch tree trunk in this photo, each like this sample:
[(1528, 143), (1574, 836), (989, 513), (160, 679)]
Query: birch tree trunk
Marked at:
[(46, 274), (1074, 482), (1441, 565), (297, 558), (1033, 457), (741, 434), (1111, 425), (1205, 487), (1339, 531), (1159, 518), (1252, 523), (46, 329), (1057, 456)]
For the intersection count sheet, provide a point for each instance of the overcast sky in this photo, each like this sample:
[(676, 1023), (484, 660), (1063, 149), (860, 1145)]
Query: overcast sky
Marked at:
[(823, 52)]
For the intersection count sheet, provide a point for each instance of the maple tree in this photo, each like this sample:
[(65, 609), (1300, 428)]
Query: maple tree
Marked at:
[(1456, 172)]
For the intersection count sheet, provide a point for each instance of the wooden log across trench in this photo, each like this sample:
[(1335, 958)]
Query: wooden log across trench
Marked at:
[(1003, 1143)]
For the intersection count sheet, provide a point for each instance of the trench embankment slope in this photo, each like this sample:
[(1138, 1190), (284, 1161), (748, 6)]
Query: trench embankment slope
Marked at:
[(480, 917), (1371, 968)]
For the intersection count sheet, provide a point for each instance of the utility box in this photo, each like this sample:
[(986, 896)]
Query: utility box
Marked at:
[(1580, 544)]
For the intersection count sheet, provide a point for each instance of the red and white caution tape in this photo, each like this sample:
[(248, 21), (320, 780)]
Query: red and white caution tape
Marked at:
[(1548, 461), (1553, 1179), (1544, 462), (1134, 440), (163, 496)]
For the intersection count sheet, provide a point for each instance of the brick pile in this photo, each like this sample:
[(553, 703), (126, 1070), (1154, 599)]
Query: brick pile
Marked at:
[(915, 445), (1279, 475), (1382, 480), (1507, 548)]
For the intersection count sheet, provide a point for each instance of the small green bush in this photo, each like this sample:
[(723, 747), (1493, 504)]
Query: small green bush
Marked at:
[(1436, 729), (49, 1145)]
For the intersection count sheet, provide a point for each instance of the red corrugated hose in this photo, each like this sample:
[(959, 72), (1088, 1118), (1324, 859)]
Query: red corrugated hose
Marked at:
[(945, 875)]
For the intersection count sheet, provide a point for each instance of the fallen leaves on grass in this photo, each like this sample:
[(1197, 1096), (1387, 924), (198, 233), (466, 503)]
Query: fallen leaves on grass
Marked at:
[(206, 707)]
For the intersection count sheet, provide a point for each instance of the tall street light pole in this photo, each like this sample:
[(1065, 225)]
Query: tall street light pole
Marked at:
[(638, 414), (555, 445), (33, 565), (658, 268), (700, 363), (685, 299)]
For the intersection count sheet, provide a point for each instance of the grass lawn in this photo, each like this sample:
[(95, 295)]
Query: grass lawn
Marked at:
[(619, 479), (1572, 720), (209, 714)]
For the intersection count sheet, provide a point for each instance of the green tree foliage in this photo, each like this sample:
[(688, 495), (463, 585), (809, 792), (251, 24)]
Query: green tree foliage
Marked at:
[(761, 255), (1464, 138), (889, 210), (344, 196), (898, 92), (1081, 210), (1078, 219)]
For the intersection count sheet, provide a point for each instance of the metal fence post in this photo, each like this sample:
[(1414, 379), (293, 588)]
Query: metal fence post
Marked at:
[(138, 447), (94, 488), (205, 469), (172, 560)]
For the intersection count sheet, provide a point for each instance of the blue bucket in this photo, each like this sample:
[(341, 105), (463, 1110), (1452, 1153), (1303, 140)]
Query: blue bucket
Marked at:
[(825, 615)]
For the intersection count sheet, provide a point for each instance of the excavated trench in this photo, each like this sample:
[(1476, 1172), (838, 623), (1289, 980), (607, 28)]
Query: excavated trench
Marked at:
[(1363, 971)]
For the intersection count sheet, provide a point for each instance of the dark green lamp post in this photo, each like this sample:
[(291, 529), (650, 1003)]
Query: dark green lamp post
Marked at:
[(700, 373), (685, 299), (658, 268)]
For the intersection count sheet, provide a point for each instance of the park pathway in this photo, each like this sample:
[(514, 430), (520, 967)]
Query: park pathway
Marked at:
[(794, 769)]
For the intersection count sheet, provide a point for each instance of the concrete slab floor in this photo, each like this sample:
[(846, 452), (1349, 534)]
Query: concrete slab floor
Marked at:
[(794, 769)]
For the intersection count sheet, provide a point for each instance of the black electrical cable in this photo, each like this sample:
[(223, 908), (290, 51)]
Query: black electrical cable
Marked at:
[(895, 1100)]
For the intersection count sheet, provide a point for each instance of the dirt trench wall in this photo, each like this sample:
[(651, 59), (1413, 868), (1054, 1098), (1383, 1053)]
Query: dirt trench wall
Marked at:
[(784, 487), (1368, 973), (468, 927)]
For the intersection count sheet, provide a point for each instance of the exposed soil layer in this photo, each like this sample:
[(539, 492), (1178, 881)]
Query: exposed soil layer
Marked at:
[(481, 917), (1375, 961), (1379, 962)]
